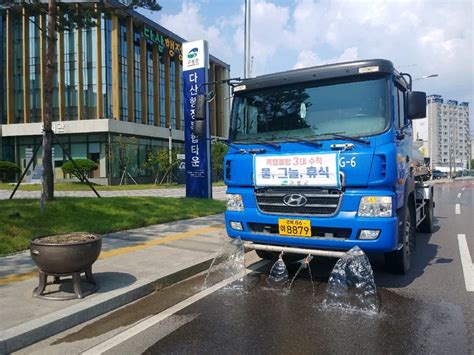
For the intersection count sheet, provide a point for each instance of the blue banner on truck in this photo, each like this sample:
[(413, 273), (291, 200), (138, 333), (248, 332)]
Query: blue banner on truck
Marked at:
[(197, 149)]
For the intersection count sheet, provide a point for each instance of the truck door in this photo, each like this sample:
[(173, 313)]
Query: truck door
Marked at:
[(403, 142)]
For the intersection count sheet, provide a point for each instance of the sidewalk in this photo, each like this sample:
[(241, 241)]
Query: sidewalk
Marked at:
[(218, 193), (132, 264)]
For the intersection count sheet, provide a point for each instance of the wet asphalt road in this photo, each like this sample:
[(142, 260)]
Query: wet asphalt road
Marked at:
[(428, 310)]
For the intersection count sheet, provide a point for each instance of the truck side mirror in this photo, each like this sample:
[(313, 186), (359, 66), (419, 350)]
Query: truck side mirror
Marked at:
[(199, 128), (416, 101)]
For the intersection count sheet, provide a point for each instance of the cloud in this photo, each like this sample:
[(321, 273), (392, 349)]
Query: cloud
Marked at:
[(308, 58), (423, 37), (269, 33), (420, 36), (188, 23)]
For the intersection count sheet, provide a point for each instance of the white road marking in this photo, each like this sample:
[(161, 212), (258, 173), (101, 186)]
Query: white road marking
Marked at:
[(458, 208), (149, 322), (459, 195), (464, 188), (466, 262)]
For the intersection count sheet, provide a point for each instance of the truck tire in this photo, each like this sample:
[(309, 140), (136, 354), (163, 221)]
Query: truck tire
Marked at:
[(427, 225), (398, 261)]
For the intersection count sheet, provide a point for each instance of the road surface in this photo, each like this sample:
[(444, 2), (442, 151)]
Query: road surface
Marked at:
[(429, 310)]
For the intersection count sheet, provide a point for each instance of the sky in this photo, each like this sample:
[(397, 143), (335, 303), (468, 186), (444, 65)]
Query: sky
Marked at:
[(421, 37)]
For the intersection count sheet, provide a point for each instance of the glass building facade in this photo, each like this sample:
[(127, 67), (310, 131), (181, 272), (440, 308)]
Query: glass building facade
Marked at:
[(114, 70)]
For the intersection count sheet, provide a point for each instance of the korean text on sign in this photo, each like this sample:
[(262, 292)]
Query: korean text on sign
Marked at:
[(297, 170)]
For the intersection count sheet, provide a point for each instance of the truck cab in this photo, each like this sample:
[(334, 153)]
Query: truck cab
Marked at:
[(319, 159)]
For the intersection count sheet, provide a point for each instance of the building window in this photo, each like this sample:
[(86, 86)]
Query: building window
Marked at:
[(137, 79), (123, 73), (107, 66), (35, 69), (89, 60), (181, 97), (17, 71), (3, 96), (162, 92), (71, 79), (172, 93), (149, 77)]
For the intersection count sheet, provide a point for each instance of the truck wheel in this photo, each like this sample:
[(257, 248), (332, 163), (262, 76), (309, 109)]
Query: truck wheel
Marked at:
[(398, 261), (427, 225), (268, 255)]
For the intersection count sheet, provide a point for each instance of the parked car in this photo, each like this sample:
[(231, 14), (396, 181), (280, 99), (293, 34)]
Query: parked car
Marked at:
[(464, 173), (438, 174)]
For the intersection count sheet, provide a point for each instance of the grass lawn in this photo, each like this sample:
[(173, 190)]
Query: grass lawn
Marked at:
[(93, 215), (77, 186)]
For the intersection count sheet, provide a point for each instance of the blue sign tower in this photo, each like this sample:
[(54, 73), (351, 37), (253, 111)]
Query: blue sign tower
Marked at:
[(197, 149)]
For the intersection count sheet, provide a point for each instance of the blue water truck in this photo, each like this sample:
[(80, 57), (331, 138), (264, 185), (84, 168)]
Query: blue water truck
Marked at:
[(320, 160)]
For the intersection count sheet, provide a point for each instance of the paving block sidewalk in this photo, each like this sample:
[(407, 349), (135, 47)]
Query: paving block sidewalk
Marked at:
[(132, 264)]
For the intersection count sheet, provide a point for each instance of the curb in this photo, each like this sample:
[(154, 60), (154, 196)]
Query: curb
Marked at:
[(28, 333)]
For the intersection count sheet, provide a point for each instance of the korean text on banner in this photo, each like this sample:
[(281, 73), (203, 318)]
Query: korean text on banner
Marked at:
[(297, 170)]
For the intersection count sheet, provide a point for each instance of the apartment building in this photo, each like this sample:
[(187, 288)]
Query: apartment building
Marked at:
[(445, 133)]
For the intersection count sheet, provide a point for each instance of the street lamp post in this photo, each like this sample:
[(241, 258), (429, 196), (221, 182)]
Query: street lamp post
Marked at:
[(429, 140), (426, 77), (247, 40)]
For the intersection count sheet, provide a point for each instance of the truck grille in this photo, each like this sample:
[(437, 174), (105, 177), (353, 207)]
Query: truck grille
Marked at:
[(319, 202)]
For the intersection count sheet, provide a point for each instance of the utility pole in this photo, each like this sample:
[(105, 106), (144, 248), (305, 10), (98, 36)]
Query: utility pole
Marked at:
[(48, 174), (247, 40)]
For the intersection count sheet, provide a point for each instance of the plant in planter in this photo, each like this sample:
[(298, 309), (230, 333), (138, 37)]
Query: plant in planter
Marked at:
[(66, 255), (8, 170)]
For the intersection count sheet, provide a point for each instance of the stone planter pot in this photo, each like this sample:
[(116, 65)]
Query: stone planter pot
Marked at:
[(65, 255)]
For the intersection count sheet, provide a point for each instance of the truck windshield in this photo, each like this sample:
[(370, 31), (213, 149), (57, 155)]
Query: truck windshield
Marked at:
[(355, 108)]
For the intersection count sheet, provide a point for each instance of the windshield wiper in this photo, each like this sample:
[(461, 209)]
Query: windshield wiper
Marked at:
[(271, 144), (304, 140), (354, 139), (342, 136), (261, 141)]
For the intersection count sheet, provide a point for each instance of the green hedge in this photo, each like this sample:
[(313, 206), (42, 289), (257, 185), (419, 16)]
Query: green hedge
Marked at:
[(8, 169), (84, 167)]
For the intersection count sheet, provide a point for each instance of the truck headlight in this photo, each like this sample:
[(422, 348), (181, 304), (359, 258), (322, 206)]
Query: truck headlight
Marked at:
[(375, 206), (234, 202)]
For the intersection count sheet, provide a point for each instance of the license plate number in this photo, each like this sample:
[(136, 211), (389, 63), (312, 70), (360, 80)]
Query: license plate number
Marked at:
[(294, 227)]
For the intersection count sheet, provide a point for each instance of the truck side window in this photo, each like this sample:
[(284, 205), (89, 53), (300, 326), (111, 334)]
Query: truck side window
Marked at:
[(400, 119), (396, 110), (401, 107)]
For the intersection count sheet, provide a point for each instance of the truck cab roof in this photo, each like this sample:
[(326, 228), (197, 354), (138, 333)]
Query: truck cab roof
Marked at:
[(322, 72)]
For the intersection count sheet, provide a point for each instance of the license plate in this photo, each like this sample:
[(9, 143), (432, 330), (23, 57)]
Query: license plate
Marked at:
[(294, 227)]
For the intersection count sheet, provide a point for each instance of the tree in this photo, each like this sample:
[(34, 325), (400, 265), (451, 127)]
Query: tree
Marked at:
[(7, 168), (126, 150), (158, 162), (81, 170), (218, 151), (152, 163), (76, 18)]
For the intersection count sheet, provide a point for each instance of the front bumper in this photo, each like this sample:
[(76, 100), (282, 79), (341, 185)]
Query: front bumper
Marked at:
[(338, 232)]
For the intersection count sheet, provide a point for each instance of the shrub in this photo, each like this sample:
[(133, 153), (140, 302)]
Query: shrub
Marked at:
[(8, 169), (218, 152), (84, 168)]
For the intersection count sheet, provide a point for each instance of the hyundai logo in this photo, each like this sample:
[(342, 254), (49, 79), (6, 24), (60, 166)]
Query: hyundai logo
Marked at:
[(295, 200)]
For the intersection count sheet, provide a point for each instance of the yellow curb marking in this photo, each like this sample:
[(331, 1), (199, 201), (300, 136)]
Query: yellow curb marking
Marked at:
[(17, 277), (154, 242), (119, 251)]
